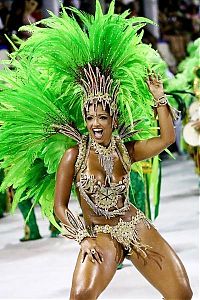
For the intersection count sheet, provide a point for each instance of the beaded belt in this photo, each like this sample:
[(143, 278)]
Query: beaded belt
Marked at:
[(126, 233)]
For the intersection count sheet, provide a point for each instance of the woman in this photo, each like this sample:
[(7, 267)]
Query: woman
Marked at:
[(94, 79), (102, 176), (21, 14)]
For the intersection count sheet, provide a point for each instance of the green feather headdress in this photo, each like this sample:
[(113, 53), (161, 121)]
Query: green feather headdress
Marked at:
[(43, 94)]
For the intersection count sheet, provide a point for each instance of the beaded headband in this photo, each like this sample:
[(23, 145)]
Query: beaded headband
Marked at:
[(98, 90)]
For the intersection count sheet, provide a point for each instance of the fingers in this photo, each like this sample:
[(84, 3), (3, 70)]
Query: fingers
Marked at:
[(154, 84), (90, 256), (153, 77), (84, 254), (154, 80), (159, 77), (93, 255), (98, 255)]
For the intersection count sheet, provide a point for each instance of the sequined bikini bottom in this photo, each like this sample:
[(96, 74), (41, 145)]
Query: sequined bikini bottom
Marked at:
[(126, 233)]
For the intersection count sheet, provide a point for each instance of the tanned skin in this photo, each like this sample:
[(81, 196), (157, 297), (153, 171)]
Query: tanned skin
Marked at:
[(94, 272)]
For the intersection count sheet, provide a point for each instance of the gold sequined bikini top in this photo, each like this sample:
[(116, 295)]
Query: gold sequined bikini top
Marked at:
[(103, 197)]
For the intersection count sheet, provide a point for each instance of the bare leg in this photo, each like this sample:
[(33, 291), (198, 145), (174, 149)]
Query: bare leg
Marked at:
[(90, 279), (168, 276)]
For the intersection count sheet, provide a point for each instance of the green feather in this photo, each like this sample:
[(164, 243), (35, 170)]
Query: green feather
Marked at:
[(43, 88)]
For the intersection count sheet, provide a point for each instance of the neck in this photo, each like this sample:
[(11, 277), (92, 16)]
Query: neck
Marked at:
[(104, 144), (105, 156)]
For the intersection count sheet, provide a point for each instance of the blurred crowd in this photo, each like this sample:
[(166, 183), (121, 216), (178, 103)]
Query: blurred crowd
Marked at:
[(14, 14), (179, 21)]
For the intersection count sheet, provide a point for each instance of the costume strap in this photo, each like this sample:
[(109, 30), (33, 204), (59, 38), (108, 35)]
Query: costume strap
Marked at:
[(81, 159), (69, 131), (123, 154), (127, 131)]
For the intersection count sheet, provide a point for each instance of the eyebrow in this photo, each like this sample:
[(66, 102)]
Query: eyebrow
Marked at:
[(102, 114)]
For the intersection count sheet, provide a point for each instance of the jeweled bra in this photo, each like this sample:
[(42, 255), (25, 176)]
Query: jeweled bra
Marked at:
[(103, 197)]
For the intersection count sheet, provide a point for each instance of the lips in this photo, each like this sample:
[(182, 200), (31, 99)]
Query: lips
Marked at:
[(98, 133)]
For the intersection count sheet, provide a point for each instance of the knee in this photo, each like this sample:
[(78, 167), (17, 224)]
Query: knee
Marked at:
[(83, 294), (182, 292), (185, 293)]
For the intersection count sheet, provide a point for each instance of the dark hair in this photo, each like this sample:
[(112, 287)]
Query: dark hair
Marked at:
[(15, 19)]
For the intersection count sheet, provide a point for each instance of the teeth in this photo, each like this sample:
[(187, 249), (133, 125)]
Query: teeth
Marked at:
[(98, 133), (97, 130)]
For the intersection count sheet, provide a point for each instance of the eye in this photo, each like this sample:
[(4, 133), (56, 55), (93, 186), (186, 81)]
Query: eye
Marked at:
[(88, 118), (103, 117)]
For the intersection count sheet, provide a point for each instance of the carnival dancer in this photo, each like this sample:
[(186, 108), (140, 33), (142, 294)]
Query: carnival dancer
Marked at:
[(96, 86), (114, 229)]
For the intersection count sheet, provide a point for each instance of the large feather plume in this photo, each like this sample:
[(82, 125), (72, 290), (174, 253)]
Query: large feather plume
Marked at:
[(41, 95)]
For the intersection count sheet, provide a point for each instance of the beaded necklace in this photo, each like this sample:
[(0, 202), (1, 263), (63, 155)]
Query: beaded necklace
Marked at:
[(105, 156)]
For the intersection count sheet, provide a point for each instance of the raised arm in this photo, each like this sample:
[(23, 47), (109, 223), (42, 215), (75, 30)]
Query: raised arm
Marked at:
[(64, 180), (141, 150)]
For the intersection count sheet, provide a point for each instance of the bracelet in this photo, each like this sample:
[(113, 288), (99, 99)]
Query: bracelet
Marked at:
[(176, 114), (76, 230), (161, 101)]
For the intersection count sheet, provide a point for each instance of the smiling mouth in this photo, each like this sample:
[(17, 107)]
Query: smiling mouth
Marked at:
[(98, 133)]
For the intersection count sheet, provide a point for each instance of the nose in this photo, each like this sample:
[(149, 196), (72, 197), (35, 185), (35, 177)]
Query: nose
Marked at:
[(96, 121)]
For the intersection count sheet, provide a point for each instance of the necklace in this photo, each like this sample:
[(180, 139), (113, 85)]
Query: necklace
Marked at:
[(105, 156)]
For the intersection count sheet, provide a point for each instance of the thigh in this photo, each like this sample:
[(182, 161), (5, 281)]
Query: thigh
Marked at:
[(162, 267), (94, 276)]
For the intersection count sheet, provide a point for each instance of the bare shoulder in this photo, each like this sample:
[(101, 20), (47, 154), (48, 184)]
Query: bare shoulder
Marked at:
[(70, 156)]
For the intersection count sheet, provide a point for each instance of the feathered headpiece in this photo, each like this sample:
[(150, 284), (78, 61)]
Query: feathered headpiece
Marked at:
[(55, 75), (98, 90)]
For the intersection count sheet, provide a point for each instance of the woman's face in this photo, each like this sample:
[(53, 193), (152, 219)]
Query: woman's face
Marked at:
[(99, 125), (31, 5)]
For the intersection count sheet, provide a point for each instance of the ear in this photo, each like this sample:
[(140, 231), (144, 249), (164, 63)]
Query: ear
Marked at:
[(115, 123)]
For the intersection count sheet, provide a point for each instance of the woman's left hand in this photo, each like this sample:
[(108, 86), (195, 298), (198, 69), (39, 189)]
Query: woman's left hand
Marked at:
[(155, 86)]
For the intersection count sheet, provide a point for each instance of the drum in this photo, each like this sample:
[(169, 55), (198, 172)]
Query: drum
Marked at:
[(190, 134), (194, 110)]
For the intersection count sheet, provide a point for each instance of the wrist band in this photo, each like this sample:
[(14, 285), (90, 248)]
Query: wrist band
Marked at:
[(76, 229), (161, 101), (176, 114)]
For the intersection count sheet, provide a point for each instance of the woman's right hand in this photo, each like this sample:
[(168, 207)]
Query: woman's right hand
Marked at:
[(90, 248)]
